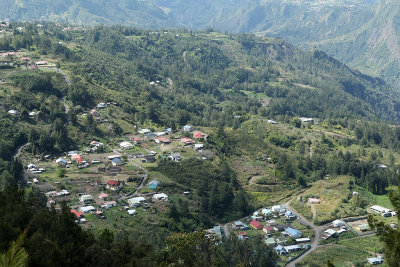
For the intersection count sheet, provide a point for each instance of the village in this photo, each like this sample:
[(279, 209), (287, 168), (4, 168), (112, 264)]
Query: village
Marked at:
[(107, 181)]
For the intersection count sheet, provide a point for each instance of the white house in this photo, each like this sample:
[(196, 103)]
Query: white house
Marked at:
[(61, 162), (337, 223), (380, 209), (136, 201), (87, 209), (375, 261), (126, 145), (160, 196), (131, 212)]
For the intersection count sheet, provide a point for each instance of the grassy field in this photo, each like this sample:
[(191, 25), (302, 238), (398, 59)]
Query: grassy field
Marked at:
[(368, 243), (341, 256)]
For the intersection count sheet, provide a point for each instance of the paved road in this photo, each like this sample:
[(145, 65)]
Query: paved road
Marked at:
[(317, 234)]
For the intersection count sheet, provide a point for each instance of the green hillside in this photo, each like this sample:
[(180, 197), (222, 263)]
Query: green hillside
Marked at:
[(66, 88)]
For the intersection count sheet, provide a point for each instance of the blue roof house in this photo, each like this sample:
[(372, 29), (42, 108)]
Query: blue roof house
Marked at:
[(117, 162), (153, 184), (293, 232), (188, 128)]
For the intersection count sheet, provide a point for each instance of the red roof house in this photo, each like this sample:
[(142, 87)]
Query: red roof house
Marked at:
[(187, 141), (113, 185), (162, 140), (77, 213), (256, 225)]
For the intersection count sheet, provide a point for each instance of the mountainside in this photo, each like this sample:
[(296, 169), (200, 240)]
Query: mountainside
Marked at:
[(364, 34), (134, 141)]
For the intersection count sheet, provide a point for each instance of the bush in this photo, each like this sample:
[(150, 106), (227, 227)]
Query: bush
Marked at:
[(61, 172)]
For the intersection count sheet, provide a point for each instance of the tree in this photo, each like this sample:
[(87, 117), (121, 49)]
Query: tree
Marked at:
[(388, 235), (16, 255)]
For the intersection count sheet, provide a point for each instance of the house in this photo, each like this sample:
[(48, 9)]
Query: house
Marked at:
[(150, 136), (199, 135), (269, 229), (270, 241), (290, 215), (13, 112), (362, 227), (292, 248), (375, 261), (61, 162), (101, 105), (77, 158), (380, 209), (256, 218), (303, 240), (256, 225), (329, 232), (281, 240), (33, 114), (175, 157), (76, 213), (149, 159), (117, 162), (86, 198), (125, 145), (115, 169), (280, 250), (94, 113), (198, 147), (187, 141), (136, 201), (280, 228), (25, 59), (188, 128), (272, 122), (237, 225), (41, 63), (109, 204), (272, 222), (103, 196), (293, 232), (342, 230), (218, 231), (242, 235), (266, 212), (314, 200), (144, 131), (162, 140), (160, 196), (305, 120), (132, 212), (111, 157), (113, 185), (87, 209), (337, 223), (153, 184), (278, 208)]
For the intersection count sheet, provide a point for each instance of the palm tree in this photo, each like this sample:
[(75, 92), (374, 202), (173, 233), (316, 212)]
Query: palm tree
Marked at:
[(16, 255)]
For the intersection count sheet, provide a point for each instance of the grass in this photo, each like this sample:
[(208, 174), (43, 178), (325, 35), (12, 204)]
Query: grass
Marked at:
[(342, 256), (368, 243)]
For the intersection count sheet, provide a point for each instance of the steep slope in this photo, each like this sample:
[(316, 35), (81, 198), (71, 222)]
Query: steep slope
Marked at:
[(374, 47)]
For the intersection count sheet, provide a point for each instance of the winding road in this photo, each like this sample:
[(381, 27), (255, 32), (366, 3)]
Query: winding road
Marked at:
[(317, 234)]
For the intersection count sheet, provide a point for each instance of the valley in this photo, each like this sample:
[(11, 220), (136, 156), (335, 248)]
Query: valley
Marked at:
[(127, 136)]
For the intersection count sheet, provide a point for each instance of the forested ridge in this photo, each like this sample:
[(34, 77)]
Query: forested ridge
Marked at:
[(249, 94)]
